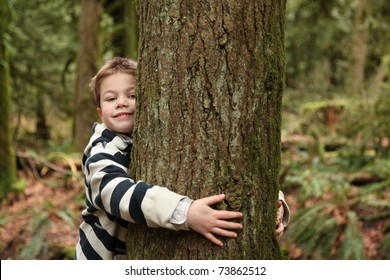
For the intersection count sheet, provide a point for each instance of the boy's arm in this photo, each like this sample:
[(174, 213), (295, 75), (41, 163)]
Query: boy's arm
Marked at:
[(219, 225), (111, 189)]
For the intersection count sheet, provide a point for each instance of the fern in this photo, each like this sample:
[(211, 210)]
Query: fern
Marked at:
[(316, 230), (67, 217), (352, 248), (38, 245), (374, 188), (385, 248)]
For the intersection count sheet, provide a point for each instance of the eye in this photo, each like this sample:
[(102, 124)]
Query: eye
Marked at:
[(131, 95), (110, 98)]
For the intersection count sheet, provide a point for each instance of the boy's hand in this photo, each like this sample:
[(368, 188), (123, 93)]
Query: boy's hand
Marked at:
[(208, 221), (279, 218)]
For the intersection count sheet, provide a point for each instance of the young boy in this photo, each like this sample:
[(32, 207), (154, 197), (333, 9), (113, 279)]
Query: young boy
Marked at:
[(113, 199)]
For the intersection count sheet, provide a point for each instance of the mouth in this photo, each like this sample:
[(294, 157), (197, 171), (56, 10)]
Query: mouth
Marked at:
[(121, 115)]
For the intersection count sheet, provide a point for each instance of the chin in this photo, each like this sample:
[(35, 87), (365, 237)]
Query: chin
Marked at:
[(127, 131)]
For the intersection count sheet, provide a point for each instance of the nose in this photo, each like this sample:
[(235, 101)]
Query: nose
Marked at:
[(122, 102)]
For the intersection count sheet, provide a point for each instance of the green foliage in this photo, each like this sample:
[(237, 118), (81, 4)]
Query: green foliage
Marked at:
[(385, 248), (38, 245), (318, 42), (331, 212), (3, 220), (19, 186), (352, 247), (322, 180), (372, 130), (322, 234), (317, 38), (42, 67), (68, 253), (67, 216)]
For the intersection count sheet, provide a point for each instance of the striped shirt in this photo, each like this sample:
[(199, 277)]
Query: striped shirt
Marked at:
[(113, 199)]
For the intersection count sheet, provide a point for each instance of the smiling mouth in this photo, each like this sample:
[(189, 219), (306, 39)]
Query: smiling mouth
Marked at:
[(123, 115)]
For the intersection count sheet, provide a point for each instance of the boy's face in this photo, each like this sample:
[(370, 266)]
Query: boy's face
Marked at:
[(117, 101)]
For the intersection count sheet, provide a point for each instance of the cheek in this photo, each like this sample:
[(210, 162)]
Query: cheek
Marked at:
[(105, 113)]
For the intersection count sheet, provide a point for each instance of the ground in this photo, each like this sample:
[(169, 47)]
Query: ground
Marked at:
[(42, 221)]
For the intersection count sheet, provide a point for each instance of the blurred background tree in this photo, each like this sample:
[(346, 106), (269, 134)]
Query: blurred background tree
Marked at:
[(7, 155), (88, 61), (42, 65)]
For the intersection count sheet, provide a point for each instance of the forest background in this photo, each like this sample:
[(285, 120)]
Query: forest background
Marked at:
[(335, 131)]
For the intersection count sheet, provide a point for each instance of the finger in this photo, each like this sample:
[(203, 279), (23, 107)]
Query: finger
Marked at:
[(279, 236), (223, 214), (279, 203), (228, 225), (224, 232), (213, 239), (213, 199), (279, 231)]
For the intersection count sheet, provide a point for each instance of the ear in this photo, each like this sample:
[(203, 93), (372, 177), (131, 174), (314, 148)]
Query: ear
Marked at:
[(99, 110)]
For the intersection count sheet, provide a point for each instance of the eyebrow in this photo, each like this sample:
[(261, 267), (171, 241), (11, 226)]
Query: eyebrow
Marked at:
[(113, 91)]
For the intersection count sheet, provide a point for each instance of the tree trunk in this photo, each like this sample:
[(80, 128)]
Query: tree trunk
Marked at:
[(359, 47), (125, 39), (211, 79), (88, 59), (7, 155), (131, 29), (41, 127)]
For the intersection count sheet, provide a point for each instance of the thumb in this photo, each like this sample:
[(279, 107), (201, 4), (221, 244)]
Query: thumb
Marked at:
[(213, 199)]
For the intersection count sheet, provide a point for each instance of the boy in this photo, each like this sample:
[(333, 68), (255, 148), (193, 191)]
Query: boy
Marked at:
[(113, 199)]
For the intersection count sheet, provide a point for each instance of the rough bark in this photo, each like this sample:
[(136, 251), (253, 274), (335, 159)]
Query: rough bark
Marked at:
[(211, 79), (88, 59)]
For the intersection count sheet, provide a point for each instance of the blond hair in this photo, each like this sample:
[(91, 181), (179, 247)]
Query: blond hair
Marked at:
[(113, 66)]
